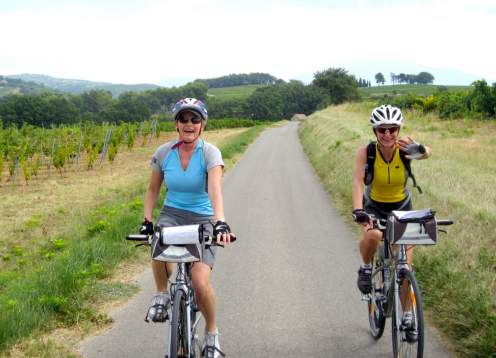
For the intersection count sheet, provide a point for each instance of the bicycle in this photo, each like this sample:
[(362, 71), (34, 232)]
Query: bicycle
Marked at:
[(184, 247), (394, 286)]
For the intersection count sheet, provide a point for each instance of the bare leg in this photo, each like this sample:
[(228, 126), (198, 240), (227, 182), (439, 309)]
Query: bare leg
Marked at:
[(405, 293), (205, 295), (161, 274), (369, 244)]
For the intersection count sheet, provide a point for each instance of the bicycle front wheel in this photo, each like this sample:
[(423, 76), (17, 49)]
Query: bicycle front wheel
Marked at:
[(179, 339), (408, 334), (375, 304)]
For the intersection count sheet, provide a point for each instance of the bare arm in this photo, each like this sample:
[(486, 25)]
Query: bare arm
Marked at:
[(215, 192), (358, 176), (152, 192)]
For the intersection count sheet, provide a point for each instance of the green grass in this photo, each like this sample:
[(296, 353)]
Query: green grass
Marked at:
[(233, 92), (377, 92), (457, 276), (59, 290), (243, 140)]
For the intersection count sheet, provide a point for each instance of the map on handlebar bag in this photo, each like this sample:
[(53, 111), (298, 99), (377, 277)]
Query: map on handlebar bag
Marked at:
[(180, 235)]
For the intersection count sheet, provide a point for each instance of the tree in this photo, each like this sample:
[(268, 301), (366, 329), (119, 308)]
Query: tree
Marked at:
[(425, 78), (411, 79), (483, 98), (393, 78), (339, 85), (379, 78)]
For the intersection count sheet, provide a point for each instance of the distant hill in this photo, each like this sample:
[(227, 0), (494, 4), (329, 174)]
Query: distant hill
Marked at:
[(14, 85), (80, 86)]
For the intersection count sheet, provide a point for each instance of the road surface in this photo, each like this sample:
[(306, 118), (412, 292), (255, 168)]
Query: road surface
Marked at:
[(287, 288)]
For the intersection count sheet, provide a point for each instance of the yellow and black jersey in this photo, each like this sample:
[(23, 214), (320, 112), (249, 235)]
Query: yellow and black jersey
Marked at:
[(389, 182)]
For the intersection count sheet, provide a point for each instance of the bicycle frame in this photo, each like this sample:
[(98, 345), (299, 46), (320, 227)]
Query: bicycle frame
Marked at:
[(394, 266)]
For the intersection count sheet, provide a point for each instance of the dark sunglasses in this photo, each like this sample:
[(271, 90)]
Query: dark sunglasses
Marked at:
[(194, 119), (392, 130)]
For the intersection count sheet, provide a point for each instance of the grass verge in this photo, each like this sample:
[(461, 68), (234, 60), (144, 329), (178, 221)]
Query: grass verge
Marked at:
[(58, 291), (457, 276)]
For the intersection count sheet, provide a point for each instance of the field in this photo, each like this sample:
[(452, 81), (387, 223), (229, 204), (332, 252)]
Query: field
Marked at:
[(233, 92), (458, 275), (389, 90)]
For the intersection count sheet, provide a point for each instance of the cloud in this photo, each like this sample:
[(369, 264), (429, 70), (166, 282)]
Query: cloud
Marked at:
[(131, 42)]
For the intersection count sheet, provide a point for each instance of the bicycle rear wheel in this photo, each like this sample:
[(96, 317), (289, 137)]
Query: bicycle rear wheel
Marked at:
[(408, 341), (179, 339), (375, 304)]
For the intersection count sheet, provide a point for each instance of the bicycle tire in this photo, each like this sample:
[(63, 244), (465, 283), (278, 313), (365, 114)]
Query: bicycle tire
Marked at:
[(196, 347), (375, 304), (178, 348), (408, 343)]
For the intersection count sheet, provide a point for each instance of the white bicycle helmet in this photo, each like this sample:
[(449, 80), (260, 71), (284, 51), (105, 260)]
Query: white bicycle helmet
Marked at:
[(386, 115), (191, 104)]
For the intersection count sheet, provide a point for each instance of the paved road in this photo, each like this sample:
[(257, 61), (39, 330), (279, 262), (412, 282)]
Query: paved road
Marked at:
[(287, 288)]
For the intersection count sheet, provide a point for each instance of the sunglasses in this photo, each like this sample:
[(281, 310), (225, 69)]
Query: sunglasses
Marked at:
[(193, 119), (392, 130)]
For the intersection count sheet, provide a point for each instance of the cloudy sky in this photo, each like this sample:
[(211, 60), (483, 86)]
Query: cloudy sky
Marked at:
[(173, 41)]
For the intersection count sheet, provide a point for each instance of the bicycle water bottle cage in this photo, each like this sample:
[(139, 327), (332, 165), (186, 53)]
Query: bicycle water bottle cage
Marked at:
[(414, 227)]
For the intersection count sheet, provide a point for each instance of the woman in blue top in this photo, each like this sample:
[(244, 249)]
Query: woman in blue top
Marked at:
[(192, 170)]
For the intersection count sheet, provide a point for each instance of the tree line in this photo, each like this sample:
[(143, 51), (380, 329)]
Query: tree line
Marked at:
[(283, 99), (47, 109), (363, 83), (270, 102), (479, 102), (421, 78)]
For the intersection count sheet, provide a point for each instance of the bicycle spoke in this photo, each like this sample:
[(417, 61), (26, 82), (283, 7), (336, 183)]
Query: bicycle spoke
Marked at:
[(408, 330), (377, 319)]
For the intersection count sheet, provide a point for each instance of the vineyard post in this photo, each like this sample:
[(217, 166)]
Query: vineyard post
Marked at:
[(79, 150), (41, 154), (16, 171), (53, 154), (154, 130), (105, 145)]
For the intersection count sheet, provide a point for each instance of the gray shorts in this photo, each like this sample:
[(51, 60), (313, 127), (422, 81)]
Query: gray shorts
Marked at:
[(170, 216)]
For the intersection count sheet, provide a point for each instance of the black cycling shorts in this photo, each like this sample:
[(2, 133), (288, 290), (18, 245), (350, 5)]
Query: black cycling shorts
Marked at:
[(382, 210)]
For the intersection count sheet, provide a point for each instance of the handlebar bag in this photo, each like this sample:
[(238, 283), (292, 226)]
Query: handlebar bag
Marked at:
[(177, 244), (413, 227)]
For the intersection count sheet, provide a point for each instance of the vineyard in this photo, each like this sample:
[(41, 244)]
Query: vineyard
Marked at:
[(31, 152)]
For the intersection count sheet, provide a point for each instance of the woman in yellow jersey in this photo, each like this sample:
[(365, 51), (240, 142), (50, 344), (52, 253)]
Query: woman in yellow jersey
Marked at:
[(387, 189)]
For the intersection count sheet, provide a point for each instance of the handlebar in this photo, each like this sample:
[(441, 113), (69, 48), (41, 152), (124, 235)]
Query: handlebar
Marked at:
[(445, 222), (381, 223), (208, 240), (137, 237)]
